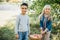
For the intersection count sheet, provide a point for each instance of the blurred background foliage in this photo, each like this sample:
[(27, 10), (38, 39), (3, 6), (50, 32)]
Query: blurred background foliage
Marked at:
[(55, 12), (7, 31)]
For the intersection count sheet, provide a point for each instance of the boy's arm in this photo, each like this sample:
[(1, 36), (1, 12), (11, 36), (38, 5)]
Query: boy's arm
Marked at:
[(17, 24), (28, 26)]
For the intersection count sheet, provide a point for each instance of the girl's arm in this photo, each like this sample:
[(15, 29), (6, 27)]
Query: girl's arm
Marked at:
[(41, 24), (49, 26)]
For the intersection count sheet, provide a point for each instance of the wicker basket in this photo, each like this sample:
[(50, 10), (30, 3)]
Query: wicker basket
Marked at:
[(35, 37)]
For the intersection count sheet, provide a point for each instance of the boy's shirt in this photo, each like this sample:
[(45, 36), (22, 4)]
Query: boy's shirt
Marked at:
[(22, 24)]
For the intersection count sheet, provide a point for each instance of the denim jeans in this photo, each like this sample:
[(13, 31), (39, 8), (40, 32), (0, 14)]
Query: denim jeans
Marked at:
[(23, 35)]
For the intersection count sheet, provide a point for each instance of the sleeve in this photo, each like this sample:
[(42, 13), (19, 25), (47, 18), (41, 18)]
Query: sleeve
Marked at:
[(16, 25), (49, 26), (28, 25), (41, 24)]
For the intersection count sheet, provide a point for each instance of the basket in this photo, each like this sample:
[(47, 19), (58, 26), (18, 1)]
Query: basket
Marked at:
[(35, 37)]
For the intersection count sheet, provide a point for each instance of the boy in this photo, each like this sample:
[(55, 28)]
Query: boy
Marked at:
[(22, 28)]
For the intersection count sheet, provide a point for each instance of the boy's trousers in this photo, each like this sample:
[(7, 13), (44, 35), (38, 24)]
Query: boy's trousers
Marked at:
[(23, 35)]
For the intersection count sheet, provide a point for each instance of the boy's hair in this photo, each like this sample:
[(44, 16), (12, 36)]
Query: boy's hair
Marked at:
[(25, 4)]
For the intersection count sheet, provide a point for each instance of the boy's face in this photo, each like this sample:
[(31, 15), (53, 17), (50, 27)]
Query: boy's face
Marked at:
[(24, 9)]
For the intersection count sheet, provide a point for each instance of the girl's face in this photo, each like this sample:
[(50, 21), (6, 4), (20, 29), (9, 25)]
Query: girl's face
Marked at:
[(47, 11)]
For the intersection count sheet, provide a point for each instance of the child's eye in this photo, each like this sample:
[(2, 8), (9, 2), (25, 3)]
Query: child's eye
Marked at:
[(24, 8)]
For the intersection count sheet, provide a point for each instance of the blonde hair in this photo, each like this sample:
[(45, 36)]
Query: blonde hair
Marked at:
[(46, 6)]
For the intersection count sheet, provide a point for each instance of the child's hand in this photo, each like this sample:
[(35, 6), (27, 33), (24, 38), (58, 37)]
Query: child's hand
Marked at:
[(17, 36), (29, 34), (42, 32)]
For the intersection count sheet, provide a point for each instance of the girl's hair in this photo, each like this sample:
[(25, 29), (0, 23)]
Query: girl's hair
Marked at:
[(46, 6)]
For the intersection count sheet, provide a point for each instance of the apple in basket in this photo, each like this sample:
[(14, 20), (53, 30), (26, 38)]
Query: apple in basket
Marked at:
[(36, 36)]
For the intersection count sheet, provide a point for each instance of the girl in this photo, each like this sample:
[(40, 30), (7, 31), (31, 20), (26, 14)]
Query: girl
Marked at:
[(45, 22)]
